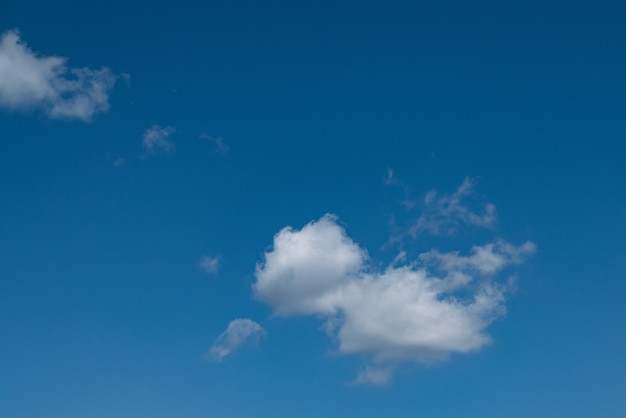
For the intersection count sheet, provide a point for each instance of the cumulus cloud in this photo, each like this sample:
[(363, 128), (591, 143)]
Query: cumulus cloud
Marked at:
[(30, 81), (442, 214), (156, 139), (239, 332), (417, 310), (305, 267), (210, 264)]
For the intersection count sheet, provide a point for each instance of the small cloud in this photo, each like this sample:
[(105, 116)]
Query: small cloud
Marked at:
[(443, 214), (220, 146), (156, 139), (119, 161), (239, 332), (373, 376), (210, 264), (30, 81), (389, 180)]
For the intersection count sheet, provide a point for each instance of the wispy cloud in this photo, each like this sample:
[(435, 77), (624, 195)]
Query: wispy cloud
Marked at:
[(389, 178), (218, 142), (239, 332), (443, 214), (210, 264), (30, 81), (156, 139), (420, 309), (373, 376)]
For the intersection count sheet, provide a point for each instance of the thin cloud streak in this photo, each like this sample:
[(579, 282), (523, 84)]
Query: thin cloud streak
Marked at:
[(238, 333), (220, 146)]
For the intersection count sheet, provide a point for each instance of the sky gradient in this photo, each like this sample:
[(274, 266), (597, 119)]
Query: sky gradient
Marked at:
[(337, 209)]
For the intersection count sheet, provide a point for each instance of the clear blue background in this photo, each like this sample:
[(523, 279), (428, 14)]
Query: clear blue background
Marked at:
[(103, 309)]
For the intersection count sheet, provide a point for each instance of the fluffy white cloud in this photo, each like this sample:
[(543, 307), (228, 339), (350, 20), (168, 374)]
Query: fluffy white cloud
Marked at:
[(239, 332), (305, 267), (210, 264), (423, 310), (156, 139), (443, 214), (29, 81)]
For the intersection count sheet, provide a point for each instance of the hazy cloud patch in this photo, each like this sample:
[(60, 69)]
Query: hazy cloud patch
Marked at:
[(156, 138), (373, 376), (443, 214), (210, 264), (239, 332), (219, 145)]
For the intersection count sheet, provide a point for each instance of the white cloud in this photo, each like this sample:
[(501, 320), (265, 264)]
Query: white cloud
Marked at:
[(239, 332), (210, 264), (220, 146), (420, 310), (29, 81), (156, 139), (443, 214), (305, 265)]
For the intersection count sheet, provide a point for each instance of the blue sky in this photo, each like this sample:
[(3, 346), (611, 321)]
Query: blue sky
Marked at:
[(336, 209)]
